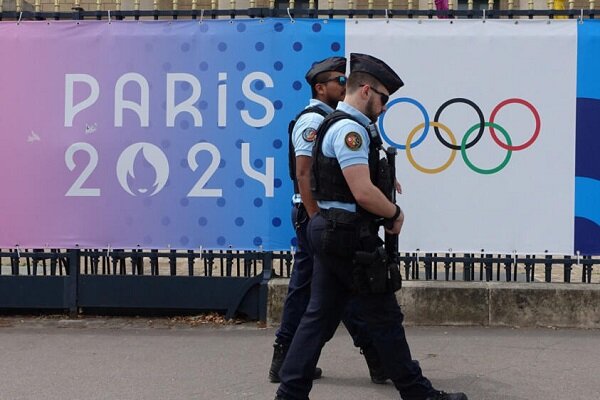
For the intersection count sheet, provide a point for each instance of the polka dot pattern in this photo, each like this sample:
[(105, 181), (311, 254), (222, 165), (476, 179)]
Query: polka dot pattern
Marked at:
[(220, 55)]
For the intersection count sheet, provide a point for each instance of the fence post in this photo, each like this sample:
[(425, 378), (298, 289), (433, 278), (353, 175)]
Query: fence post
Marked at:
[(447, 266), (467, 267), (72, 282), (548, 268), (528, 269), (428, 266), (507, 265), (263, 290), (567, 269)]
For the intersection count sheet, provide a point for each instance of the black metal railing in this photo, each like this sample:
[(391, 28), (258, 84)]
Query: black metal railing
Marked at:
[(200, 14), (246, 264), (230, 281), (487, 267)]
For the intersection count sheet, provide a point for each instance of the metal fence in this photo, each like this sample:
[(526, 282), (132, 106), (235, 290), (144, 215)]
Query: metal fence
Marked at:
[(76, 280), (292, 10), (482, 266), (234, 281)]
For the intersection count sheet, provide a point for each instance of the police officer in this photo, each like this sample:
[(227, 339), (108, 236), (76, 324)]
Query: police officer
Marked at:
[(327, 80), (345, 184)]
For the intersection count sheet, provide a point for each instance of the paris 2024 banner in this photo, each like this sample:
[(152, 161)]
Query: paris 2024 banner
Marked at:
[(173, 134)]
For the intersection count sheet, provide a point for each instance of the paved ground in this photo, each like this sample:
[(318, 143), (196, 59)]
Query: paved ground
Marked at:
[(124, 358)]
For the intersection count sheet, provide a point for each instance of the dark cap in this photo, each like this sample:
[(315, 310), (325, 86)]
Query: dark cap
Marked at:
[(378, 69), (337, 64)]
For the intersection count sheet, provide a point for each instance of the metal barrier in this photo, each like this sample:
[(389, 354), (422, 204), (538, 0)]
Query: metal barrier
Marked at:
[(232, 281), (290, 10), (81, 280), (238, 264), (508, 268)]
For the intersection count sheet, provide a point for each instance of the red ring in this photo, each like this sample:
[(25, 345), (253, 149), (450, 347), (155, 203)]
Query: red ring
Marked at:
[(536, 133)]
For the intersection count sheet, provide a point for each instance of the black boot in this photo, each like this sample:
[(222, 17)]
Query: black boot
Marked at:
[(376, 371), (439, 395), (279, 352)]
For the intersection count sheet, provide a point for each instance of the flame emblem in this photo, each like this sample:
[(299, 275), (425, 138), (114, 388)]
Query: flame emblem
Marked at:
[(142, 169)]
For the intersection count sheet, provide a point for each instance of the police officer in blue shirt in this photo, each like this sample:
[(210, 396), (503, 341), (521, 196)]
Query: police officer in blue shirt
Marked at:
[(349, 260), (328, 85)]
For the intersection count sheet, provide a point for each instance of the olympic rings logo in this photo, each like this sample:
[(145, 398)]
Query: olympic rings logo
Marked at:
[(465, 143)]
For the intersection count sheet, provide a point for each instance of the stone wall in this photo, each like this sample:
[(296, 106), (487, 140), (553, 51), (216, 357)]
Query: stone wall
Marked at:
[(484, 303)]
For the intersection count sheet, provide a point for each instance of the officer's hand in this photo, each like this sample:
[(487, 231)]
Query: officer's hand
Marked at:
[(397, 225), (397, 186)]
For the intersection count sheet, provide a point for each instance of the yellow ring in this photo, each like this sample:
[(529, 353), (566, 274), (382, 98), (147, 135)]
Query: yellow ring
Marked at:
[(410, 156)]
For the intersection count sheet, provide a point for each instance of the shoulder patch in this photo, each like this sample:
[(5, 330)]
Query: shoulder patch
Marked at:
[(309, 134), (353, 141)]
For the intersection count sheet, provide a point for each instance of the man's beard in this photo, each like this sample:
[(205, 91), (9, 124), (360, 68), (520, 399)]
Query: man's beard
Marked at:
[(370, 111), (332, 102)]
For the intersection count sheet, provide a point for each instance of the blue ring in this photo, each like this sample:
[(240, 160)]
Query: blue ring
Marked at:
[(425, 117)]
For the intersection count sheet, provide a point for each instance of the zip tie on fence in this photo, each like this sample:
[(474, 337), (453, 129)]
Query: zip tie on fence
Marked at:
[(578, 257), (20, 16), (109, 16), (417, 258), (290, 15), (200, 259), (108, 251), (18, 252), (201, 14), (387, 16), (581, 17), (292, 251), (483, 18), (515, 257)]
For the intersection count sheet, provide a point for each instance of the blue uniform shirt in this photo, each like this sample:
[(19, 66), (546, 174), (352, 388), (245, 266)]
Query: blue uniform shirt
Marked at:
[(304, 133), (348, 142)]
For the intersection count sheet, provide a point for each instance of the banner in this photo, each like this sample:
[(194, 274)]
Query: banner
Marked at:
[(152, 134), (587, 169), (485, 127), (173, 134)]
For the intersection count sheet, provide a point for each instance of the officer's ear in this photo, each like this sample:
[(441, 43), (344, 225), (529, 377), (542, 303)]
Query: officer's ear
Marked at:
[(320, 88), (364, 91)]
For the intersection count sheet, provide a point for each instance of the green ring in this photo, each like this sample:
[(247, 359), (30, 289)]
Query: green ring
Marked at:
[(463, 150)]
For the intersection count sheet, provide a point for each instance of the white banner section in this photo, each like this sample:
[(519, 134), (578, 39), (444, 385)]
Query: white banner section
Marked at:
[(485, 127)]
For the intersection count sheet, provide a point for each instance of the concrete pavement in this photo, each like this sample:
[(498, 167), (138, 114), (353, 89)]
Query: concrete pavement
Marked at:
[(142, 358)]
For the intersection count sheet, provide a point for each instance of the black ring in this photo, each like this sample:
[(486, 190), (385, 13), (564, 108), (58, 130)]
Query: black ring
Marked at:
[(477, 110)]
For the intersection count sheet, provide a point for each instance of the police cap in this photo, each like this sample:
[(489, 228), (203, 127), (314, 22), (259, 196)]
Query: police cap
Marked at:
[(378, 69), (337, 64)]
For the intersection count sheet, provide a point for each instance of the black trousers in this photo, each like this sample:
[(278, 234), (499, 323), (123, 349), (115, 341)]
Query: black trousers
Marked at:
[(299, 290), (331, 292)]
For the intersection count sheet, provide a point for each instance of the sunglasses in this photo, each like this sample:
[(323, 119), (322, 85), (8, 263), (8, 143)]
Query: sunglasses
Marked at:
[(341, 80), (384, 97)]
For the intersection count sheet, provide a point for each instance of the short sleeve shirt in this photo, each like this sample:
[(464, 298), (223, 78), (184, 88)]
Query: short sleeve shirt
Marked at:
[(304, 133), (348, 142), (305, 130)]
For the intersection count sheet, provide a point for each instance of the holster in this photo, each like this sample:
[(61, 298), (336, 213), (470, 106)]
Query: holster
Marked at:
[(374, 272), (351, 236)]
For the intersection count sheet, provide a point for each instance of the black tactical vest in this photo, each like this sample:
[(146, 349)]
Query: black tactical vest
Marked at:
[(291, 150), (327, 179)]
